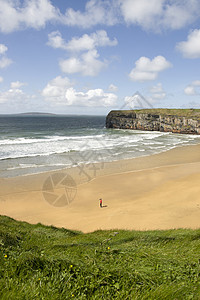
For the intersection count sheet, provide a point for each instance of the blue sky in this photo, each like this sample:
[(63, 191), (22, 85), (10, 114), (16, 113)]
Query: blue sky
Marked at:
[(88, 57)]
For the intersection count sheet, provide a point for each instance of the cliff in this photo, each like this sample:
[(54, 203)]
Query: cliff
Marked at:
[(166, 120)]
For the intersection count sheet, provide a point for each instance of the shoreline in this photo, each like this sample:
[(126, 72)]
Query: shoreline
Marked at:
[(160, 191), (33, 165), (122, 162)]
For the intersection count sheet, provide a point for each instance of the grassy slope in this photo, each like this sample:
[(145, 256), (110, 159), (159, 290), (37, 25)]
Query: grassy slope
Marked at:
[(40, 262), (187, 113)]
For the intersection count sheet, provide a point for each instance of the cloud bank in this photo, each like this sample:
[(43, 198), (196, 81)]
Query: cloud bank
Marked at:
[(150, 15), (59, 91)]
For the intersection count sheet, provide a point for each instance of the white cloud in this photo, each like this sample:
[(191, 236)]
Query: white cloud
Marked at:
[(15, 100), (84, 43), (96, 12), (193, 88), (113, 88), (157, 92), (146, 69), (3, 48), (160, 14), (72, 65), (87, 64), (196, 83), (1, 79), (156, 88), (143, 12), (189, 90), (60, 92), (92, 98), (17, 15), (89, 42), (16, 84), (56, 89), (56, 41), (150, 15), (5, 62), (191, 47), (178, 13), (12, 95)]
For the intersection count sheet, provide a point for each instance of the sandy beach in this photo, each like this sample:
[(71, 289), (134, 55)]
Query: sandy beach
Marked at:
[(160, 191)]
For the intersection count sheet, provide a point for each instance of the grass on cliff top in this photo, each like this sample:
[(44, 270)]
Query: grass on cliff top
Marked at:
[(187, 113), (44, 262)]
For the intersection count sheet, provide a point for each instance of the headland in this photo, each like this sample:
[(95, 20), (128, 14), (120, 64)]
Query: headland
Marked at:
[(186, 121)]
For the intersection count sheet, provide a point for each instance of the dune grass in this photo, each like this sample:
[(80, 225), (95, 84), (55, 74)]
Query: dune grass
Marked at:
[(44, 262)]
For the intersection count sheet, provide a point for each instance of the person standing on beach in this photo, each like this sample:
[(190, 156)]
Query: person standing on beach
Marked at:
[(100, 202)]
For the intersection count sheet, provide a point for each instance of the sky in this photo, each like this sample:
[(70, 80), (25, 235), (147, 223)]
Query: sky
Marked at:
[(89, 57)]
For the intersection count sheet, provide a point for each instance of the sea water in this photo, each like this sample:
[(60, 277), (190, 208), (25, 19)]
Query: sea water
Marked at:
[(34, 144)]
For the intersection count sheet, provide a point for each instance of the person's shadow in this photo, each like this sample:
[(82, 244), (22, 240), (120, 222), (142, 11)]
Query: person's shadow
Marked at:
[(104, 206)]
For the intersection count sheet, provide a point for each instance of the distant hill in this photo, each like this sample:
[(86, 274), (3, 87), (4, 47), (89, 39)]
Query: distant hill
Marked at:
[(36, 114)]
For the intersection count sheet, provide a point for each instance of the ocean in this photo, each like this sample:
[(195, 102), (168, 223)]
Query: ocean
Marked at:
[(34, 144)]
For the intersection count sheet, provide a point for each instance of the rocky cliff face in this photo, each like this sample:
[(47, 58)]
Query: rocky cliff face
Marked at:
[(155, 120)]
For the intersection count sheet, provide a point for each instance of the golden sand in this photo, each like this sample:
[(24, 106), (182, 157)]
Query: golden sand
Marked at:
[(161, 191)]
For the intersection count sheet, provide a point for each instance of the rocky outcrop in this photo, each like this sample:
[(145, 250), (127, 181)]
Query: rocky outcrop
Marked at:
[(176, 121)]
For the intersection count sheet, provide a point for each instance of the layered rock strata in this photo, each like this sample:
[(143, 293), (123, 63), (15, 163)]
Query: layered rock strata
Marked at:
[(154, 120)]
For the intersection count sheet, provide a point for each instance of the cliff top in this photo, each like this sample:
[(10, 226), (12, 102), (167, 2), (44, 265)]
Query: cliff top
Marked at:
[(187, 113)]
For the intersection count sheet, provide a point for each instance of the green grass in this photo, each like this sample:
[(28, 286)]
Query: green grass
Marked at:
[(187, 113), (44, 262)]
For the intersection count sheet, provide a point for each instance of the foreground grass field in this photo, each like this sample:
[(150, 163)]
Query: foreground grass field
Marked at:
[(42, 262)]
